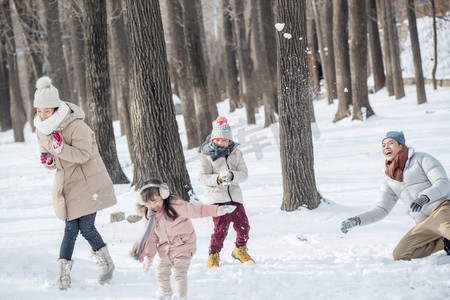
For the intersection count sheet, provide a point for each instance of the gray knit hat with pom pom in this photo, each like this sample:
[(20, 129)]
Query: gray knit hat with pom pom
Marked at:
[(46, 95)]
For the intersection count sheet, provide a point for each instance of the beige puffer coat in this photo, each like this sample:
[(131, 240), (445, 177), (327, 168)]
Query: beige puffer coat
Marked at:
[(82, 184), (209, 170)]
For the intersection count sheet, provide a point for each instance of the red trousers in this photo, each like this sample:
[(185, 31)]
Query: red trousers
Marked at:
[(222, 223)]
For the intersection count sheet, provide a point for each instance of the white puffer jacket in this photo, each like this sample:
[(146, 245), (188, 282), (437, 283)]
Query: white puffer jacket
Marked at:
[(422, 175), (209, 171)]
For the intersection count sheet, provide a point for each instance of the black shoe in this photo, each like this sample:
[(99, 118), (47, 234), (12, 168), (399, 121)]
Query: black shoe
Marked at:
[(447, 246)]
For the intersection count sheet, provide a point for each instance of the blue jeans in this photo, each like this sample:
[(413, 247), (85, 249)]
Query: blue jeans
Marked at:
[(85, 225)]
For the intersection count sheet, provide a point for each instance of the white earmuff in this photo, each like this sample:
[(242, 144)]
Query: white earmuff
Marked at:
[(164, 191)]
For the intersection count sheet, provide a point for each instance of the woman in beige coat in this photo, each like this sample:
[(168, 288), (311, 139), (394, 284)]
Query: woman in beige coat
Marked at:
[(82, 185)]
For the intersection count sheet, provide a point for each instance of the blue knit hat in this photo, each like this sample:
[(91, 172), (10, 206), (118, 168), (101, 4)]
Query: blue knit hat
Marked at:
[(396, 135)]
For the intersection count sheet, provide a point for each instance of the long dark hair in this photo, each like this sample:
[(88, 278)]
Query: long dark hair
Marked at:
[(148, 193)]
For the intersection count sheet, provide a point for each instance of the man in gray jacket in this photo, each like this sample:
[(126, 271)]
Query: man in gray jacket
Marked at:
[(420, 181)]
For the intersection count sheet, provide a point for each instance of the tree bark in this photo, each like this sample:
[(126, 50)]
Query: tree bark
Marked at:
[(181, 71), (57, 64), (433, 72), (342, 59), (314, 50), (265, 84), (158, 148), (394, 51), (386, 52), (99, 100), (415, 47), (231, 71), (245, 62), (120, 53), (76, 20), (323, 15), (296, 147), (358, 56), (198, 69), (376, 56), (18, 114), (5, 99)]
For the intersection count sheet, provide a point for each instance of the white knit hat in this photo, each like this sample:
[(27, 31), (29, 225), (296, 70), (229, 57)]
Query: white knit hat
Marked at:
[(221, 129), (46, 95)]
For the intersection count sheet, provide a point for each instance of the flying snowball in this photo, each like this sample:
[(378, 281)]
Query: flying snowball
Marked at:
[(287, 36), (279, 26)]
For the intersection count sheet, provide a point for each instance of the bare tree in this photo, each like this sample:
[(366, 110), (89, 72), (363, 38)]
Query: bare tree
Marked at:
[(313, 49), (231, 71), (18, 114), (296, 148), (394, 50), (265, 84), (56, 62), (323, 15), (415, 48), (76, 20), (386, 51), (158, 148), (97, 73), (342, 59), (376, 57), (5, 105), (181, 71), (120, 53), (358, 57), (198, 69), (433, 72)]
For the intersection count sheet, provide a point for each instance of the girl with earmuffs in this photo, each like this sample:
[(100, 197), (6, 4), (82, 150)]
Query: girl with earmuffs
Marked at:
[(169, 233)]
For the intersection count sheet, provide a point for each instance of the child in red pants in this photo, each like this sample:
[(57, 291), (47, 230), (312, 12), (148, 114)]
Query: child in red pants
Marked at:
[(222, 168)]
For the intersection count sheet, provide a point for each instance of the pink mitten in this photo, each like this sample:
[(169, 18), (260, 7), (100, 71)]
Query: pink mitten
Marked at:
[(57, 142), (46, 159)]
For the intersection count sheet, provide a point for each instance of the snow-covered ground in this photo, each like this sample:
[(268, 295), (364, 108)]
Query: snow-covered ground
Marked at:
[(328, 265)]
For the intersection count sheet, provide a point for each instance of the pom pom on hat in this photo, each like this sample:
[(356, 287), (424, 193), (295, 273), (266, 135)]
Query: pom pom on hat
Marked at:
[(46, 95), (221, 129), (396, 135)]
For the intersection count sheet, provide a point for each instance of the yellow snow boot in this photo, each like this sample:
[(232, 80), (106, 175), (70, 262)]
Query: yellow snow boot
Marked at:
[(241, 254), (213, 260)]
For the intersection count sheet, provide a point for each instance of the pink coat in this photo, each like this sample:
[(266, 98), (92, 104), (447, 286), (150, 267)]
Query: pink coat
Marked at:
[(175, 238)]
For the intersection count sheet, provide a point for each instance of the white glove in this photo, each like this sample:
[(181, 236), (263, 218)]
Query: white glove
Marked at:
[(147, 265), (225, 209), (225, 177)]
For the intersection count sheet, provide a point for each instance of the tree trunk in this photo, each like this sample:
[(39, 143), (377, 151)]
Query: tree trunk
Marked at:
[(394, 51), (376, 57), (342, 59), (245, 62), (266, 85), (386, 52), (181, 71), (231, 71), (267, 18), (18, 113), (158, 148), (415, 47), (57, 64), (213, 88), (314, 51), (323, 13), (27, 14), (99, 100), (296, 147), (5, 105), (358, 56), (198, 69), (120, 52), (433, 72)]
